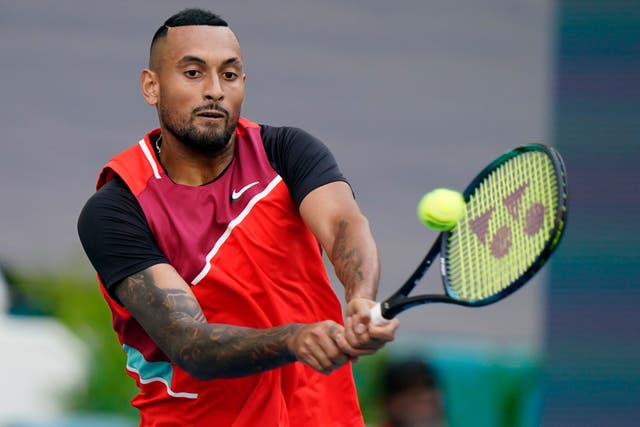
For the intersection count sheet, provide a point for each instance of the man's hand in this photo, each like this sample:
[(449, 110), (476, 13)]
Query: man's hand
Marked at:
[(363, 336), (318, 346)]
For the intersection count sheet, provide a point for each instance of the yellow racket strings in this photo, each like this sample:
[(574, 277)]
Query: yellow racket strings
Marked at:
[(508, 223)]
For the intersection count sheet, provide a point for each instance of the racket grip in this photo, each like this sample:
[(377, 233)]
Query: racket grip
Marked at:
[(376, 315)]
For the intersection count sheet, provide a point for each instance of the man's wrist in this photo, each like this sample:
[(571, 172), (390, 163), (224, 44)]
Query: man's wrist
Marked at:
[(289, 338)]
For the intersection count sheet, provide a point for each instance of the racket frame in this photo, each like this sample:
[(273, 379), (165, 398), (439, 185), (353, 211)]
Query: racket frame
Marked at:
[(400, 300)]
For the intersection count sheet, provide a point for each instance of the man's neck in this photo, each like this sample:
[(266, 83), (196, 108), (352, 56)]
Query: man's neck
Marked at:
[(187, 166)]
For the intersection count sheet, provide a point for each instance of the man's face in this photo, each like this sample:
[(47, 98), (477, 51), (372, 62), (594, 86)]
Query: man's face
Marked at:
[(200, 82)]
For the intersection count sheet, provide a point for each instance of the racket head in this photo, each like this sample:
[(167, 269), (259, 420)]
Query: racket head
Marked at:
[(515, 218)]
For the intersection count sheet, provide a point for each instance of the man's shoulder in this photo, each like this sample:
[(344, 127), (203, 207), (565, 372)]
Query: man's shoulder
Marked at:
[(113, 193), (272, 133)]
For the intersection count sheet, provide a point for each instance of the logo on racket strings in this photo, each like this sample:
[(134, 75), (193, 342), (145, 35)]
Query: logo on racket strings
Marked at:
[(502, 239)]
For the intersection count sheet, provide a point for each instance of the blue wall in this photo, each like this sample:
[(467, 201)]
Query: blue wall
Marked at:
[(593, 323)]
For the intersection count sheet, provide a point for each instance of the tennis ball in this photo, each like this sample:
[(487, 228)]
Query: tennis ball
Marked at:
[(441, 209)]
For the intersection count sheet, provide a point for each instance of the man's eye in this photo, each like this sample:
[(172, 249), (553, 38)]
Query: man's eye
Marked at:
[(192, 73), (229, 75)]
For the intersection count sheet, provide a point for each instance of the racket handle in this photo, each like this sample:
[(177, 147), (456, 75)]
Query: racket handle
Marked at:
[(376, 315)]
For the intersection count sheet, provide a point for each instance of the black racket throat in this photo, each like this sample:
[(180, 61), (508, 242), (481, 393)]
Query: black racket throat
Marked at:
[(418, 273), (401, 301)]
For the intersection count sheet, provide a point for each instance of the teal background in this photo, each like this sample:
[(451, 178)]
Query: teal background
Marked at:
[(592, 374), (484, 384)]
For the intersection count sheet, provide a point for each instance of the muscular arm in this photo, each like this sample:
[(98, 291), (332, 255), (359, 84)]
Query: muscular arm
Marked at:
[(332, 214), (166, 308), (334, 217)]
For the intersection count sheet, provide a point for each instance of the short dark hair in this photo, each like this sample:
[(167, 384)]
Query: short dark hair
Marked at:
[(400, 376), (192, 16)]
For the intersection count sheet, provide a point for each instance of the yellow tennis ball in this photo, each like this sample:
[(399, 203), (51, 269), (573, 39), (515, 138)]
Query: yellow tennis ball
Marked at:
[(441, 209)]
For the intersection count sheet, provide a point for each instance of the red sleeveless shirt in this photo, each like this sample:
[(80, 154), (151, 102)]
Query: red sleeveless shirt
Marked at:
[(241, 244)]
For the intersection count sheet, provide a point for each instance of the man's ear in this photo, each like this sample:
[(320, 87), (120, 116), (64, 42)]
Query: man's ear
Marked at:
[(149, 86)]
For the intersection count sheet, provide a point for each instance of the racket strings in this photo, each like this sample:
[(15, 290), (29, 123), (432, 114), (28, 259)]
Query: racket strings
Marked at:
[(508, 223)]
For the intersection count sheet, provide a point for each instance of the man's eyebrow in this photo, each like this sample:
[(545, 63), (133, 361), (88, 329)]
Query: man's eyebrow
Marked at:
[(190, 59), (231, 61)]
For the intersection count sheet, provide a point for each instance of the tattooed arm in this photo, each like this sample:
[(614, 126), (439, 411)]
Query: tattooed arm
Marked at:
[(162, 302), (334, 217)]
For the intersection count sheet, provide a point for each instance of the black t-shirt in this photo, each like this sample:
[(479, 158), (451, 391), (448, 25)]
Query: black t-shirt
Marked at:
[(116, 236)]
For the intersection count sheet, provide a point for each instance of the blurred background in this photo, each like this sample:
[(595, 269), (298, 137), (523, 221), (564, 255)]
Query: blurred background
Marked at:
[(409, 95)]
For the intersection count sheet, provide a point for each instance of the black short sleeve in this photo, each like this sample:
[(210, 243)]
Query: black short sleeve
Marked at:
[(302, 160), (115, 234)]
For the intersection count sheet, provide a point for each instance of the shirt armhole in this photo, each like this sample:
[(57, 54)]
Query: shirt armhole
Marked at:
[(116, 236), (303, 161)]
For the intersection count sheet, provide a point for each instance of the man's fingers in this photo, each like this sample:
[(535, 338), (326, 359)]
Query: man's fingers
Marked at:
[(349, 350), (374, 336), (358, 339), (326, 346), (329, 347), (350, 333), (360, 328), (316, 346), (320, 344), (385, 331), (308, 359)]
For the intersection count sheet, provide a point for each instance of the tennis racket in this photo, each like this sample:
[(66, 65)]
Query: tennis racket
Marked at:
[(515, 217)]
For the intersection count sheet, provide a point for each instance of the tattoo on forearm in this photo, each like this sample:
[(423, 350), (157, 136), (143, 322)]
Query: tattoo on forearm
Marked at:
[(245, 351), (347, 260), (174, 319)]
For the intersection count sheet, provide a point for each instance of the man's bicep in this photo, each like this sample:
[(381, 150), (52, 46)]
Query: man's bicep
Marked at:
[(328, 209), (164, 305)]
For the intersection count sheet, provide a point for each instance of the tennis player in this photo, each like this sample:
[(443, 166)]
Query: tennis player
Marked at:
[(207, 237)]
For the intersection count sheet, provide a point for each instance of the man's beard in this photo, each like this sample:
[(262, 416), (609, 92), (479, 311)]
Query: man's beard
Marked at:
[(207, 141)]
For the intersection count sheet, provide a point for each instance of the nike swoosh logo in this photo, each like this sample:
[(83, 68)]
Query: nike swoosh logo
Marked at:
[(236, 195)]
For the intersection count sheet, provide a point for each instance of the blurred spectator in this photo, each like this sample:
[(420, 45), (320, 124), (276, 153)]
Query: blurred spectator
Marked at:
[(411, 396)]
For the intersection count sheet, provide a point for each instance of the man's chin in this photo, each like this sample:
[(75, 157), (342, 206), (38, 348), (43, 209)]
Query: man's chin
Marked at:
[(210, 144)]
